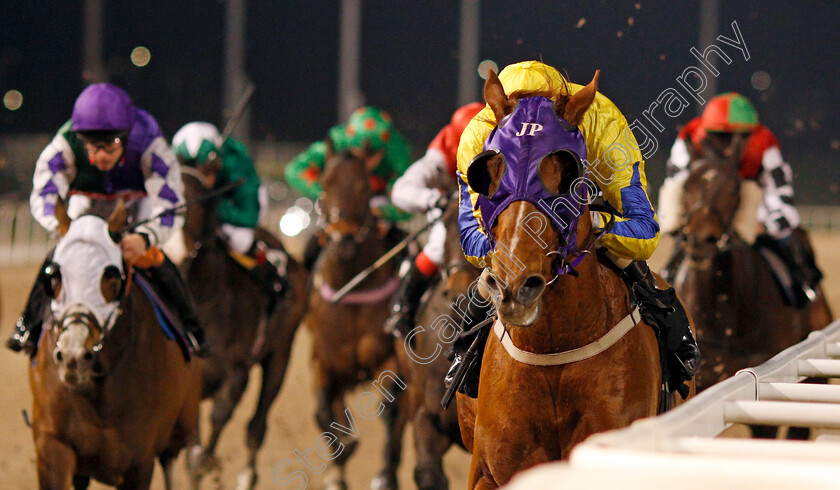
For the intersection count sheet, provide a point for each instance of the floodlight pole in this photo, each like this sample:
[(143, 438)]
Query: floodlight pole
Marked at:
[(468, 45), (350, 97)]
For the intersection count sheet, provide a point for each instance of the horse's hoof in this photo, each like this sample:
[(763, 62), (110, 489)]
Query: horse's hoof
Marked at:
[(335, 485), (384, 482), (246, 480)]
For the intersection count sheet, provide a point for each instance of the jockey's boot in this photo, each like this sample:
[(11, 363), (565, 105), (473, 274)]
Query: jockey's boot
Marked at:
[(270, 271), (172, 287), (803, 269), (28, 327), (476, 313), (680, 356), (413, 284)]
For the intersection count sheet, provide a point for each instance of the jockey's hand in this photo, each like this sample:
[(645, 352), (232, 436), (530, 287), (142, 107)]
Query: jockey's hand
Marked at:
[(133, 246)]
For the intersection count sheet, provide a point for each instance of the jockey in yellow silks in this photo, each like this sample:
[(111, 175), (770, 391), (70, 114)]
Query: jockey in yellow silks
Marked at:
[(615, 164)]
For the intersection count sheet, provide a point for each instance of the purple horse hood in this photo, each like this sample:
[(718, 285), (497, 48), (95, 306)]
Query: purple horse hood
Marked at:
[(532, 131)]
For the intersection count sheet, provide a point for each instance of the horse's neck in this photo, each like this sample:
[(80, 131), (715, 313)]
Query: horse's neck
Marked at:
[(576, 310), (337, 272)]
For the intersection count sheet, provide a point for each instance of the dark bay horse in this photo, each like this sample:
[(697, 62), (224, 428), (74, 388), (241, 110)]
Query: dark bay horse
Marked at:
[(741, 316), (110, 392), (349, 343), (435, 429), (527, 414), (240, 332)]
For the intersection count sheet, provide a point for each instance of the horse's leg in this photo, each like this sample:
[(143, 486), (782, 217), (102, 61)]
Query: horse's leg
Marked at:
[(331, 409), (139, 477), (167, 458), (223, 404), (431, 443), (480, 477), (81, 482), (273, 371), (395, 417), (56, 464)]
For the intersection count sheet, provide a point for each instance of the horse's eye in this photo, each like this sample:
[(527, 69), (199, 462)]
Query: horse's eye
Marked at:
[(111, 283), (52, 280)]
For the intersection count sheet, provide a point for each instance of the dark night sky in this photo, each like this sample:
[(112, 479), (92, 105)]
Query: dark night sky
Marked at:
[(410, 63)]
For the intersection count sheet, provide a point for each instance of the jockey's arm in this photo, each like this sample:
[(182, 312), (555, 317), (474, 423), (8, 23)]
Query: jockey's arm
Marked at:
[(777, 213), (304, 171), (416, 190), (615, 164), (164, 190), (670, 210), (54, 171), (240, 207)]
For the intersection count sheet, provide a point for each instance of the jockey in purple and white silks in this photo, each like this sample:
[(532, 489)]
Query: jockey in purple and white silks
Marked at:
[(110, 150)]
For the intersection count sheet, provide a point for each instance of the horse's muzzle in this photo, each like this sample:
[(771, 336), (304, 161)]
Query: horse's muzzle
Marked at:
[(520, 303)]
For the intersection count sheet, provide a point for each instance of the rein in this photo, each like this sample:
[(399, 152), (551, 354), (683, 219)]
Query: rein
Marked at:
[(560, 264)]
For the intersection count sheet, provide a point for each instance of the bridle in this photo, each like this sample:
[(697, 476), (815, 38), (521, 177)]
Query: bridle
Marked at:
[(562, 264)]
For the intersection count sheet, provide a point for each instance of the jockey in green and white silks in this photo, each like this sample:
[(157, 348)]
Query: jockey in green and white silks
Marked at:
[(199, 144)]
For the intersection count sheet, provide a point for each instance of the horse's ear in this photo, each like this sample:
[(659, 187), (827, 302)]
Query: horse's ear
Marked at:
[(117, 219), (494, 95), (578, 104), (61, 216), (373, 158), (485, 173)]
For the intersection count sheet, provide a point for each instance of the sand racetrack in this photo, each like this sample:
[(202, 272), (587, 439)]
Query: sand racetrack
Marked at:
[(291, 421)]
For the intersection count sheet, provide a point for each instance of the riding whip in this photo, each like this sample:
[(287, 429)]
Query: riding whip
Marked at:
[(237, 112), (390, 254)]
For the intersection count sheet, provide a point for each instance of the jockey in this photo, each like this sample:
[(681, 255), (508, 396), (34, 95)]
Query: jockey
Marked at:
[(110, 150), (617, 167), (369, 134), (199, 145), (425, 187), (729, 129)]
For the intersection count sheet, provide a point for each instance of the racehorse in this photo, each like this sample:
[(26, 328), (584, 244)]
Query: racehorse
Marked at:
[(110, 392), (550, 302), (349, 343), (435, 429), (242, 329), (741, 316)]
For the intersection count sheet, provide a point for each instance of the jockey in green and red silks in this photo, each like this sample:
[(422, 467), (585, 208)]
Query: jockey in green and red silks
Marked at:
[(367, 129), (110, 150), (370, 134)]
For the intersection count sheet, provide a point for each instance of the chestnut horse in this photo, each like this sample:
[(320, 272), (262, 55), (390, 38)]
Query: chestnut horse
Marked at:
[(527, 414), (435, 429), (349, 343), (241, 330), (110, 392), (741, 316)]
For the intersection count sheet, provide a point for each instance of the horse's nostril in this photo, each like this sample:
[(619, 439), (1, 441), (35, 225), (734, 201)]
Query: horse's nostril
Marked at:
[(531, 289), (59, 356), (88, 356), (711, 239)]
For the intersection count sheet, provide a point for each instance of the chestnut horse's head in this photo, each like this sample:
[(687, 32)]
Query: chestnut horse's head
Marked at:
[(345, 202), (711, 199), (85, 282), (533, 194)]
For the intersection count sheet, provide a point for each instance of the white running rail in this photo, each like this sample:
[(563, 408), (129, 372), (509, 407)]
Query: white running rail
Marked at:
[(679, 449)]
